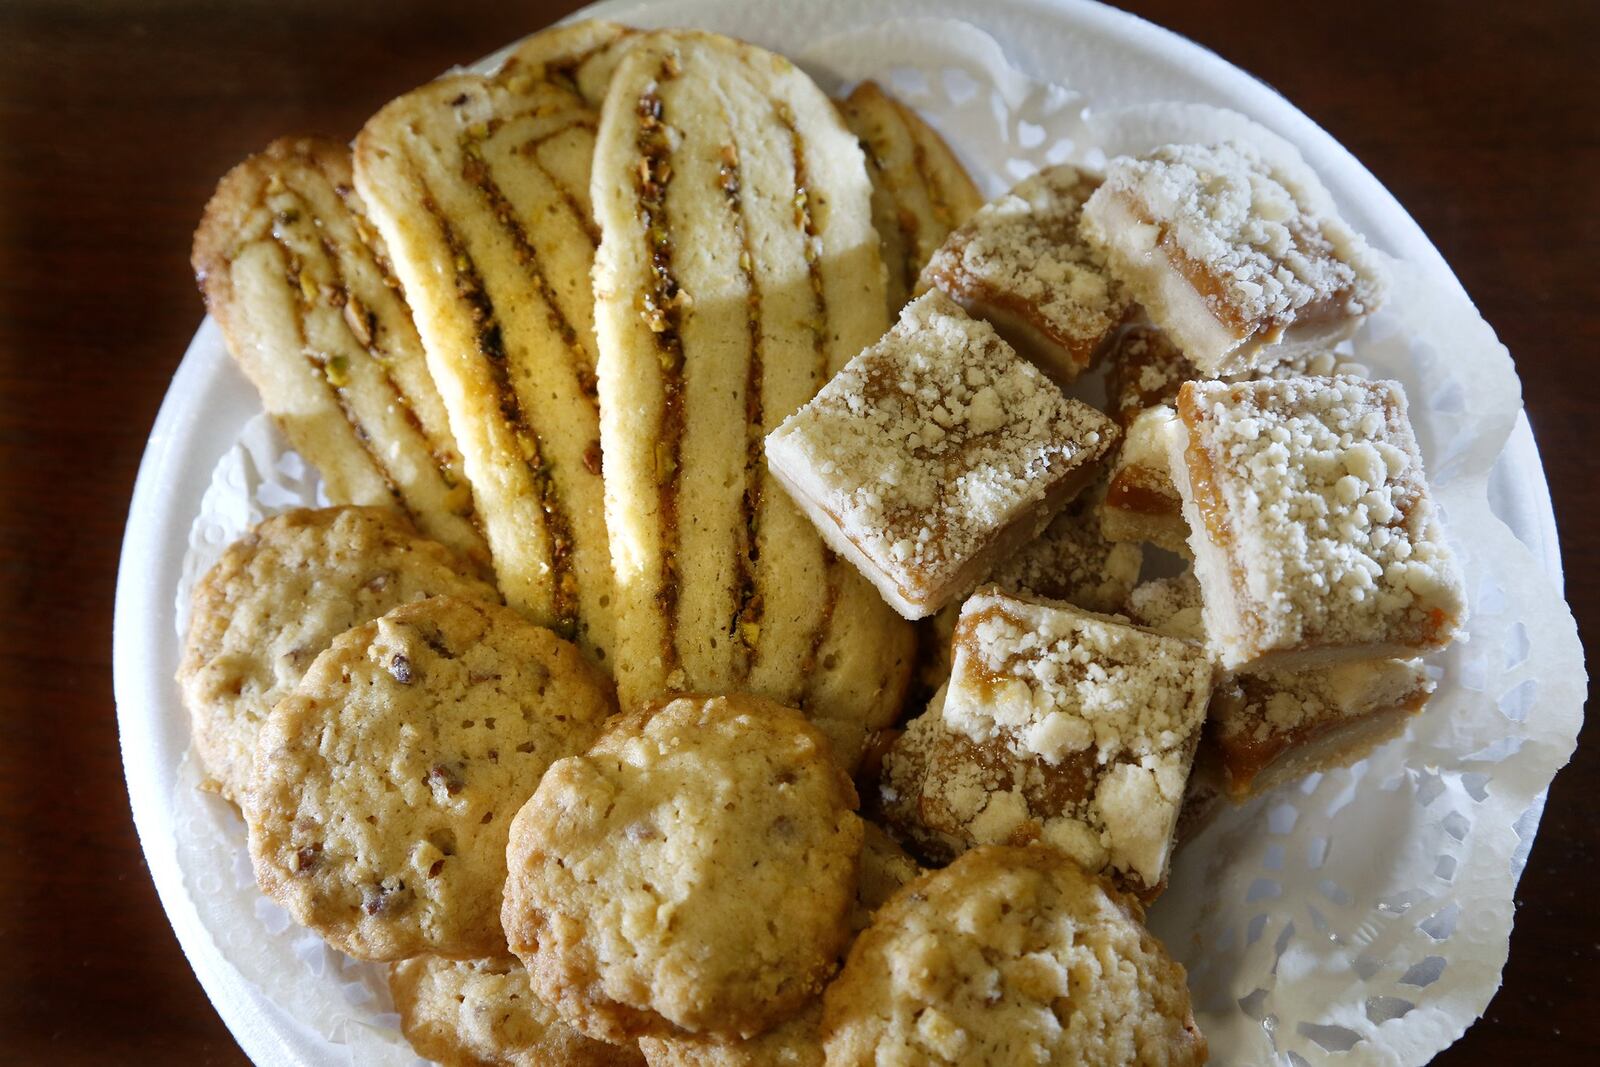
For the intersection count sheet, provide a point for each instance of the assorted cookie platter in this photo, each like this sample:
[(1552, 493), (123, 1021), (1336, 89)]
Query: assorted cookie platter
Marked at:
[(728, 643)]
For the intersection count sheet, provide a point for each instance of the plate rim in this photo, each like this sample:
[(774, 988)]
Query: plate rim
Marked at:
[(164, 502)]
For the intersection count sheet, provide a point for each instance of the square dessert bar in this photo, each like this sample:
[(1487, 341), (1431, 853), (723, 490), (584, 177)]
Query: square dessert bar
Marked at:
[(1021, 264), (1233, 253), (1314, 536), (1057, 725), (935, 452), (1273, 726)]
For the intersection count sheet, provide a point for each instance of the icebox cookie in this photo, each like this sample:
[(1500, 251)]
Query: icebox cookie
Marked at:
[(1238, 256), (479, 184), (738, 269), (299, 281), (692, 873), (1009, 955), (385, 783), (467, 1013), (277, 597), (1020, 264), (919, 188), (935, 452), (1313, 531)]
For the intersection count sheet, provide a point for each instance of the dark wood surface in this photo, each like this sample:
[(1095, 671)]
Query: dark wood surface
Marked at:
[(116, 118)]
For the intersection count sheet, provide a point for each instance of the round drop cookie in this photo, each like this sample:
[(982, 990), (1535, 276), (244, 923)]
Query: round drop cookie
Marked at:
[(797, 1041), (463, 1013), (277, 597), (1009, 955), (693, 872), (386, 782)]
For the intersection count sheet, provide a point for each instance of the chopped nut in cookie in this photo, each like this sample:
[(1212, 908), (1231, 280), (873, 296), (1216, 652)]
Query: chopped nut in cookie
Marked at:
[(1020, 264), (1236, 255), (1314, 535), (935, 452), (1057, 725)]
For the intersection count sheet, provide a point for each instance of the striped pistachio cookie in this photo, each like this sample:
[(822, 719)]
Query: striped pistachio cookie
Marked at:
[(480, 186), (467, 1013), (920, 190), (300, 283), (738, 270), (278, 597), (1009, 955), (692, 873), (386, 782)]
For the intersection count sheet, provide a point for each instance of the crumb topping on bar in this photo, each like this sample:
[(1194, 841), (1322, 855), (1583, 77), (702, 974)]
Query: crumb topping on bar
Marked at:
[(1145, 442), (1261, 230), (1320, 499), (1052, 680), (932, 440), (1170, 605), (1024, 251), (1145, 369), (1072, 560)]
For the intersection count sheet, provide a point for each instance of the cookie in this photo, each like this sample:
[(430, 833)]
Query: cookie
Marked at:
[(386, 781), (738, 270), (466, 1013), (1009, 955), (797, 1041), (691, 873), (277, 597), (300, 284)]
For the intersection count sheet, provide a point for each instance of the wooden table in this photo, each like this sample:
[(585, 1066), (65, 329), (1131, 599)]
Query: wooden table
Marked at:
[(117, 117)]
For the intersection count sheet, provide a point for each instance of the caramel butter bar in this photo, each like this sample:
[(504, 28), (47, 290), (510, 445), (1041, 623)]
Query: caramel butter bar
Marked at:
[(1141, 502), (935, 452), (1314, 536), (1239, 257), (1057, 725), (1020, 264), (1274, 726)]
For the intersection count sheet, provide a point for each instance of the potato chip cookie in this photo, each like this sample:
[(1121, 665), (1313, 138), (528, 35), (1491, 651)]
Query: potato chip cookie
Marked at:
[(693, 872), (276, 599), (1009, 955), (386, 781), (463, 1013)]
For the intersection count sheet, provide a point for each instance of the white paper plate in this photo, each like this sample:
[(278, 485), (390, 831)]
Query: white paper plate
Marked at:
[(1116, 62)]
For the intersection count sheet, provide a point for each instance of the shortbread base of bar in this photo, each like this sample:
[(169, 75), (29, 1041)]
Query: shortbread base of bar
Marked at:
[(967, 577)]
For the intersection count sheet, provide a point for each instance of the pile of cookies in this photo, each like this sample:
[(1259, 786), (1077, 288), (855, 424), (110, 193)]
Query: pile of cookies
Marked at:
[(672, 595)]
